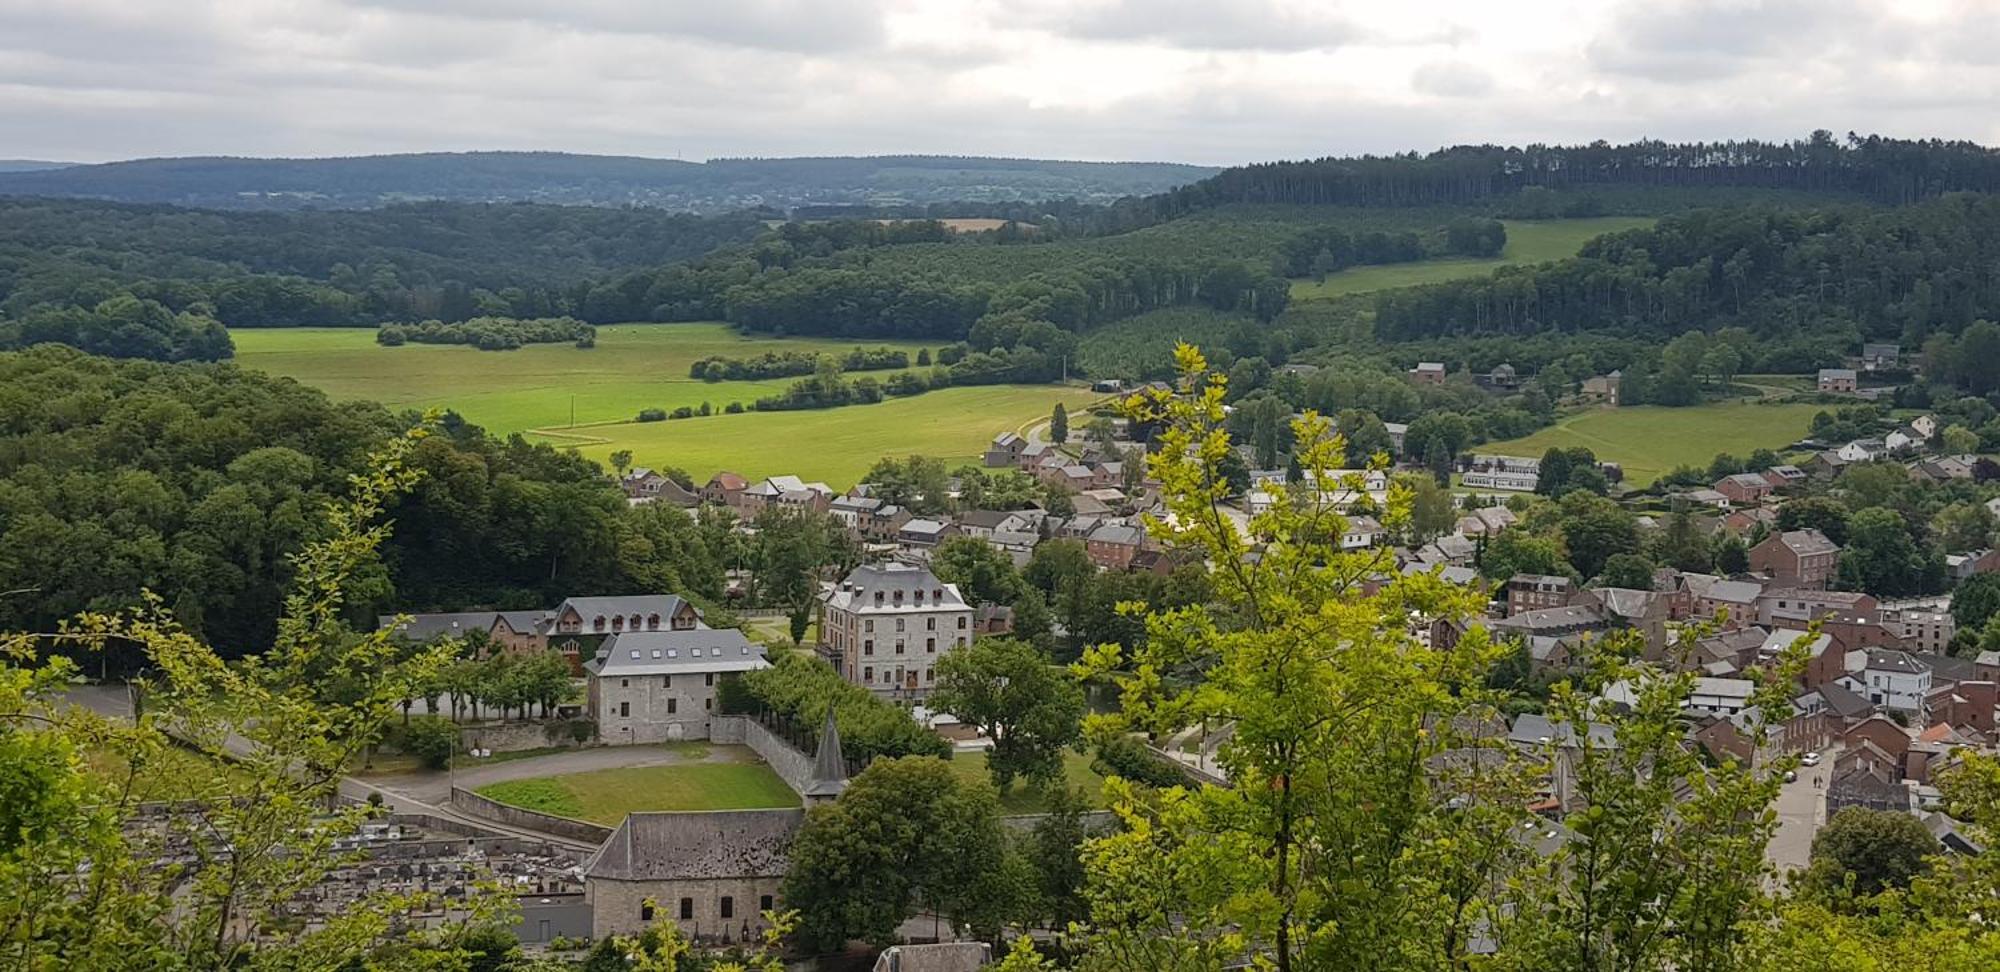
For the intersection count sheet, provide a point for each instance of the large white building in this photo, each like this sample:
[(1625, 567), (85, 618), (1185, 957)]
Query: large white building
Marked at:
[(658, 686), (886, 625)]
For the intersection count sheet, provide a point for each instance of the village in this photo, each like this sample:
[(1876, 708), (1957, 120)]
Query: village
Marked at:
[(1888, 696)]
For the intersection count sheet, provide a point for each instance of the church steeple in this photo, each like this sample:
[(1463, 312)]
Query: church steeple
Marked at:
[(829, 777)]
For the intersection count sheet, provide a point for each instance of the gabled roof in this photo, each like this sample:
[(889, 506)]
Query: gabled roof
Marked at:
[(672, 652), (1844, 702), (643, 605), (697, 846), (728, 481), (428, 627), (1894, 662)]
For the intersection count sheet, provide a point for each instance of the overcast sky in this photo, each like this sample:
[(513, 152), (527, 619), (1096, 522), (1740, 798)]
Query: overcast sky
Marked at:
[(1211, 81)]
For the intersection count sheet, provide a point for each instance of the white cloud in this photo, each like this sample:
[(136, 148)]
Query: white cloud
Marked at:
[(1216, 81)]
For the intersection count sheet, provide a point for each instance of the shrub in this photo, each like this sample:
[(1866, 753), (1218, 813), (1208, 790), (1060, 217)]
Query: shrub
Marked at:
[(1127, 757), (431, 739), (734, 408), (652, 415)]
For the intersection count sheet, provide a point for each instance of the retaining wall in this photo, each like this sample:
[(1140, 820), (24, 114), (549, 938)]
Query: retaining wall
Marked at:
[(468, 802), (791, 765)]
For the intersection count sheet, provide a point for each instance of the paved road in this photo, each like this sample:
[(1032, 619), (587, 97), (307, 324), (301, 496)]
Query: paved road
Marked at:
[(1801, 812)]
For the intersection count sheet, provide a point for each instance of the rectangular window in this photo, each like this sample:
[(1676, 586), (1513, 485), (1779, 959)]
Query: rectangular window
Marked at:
[(930, 674), (765, 903), (687, 909), (868, 674), (930, 646), (899, 624), (868, 625), (624, 710), (645, 911), (961, 622), (899, 647), (930, 624), (673, 706), (868, 647), (711, 679), (728, 906), (708, 705), (624, 683)]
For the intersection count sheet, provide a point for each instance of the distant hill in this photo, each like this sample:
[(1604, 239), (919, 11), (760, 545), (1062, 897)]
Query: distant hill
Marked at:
[(30, 165), (552, 177)]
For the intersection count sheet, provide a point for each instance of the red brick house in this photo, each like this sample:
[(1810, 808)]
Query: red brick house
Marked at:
[(1796, 558)]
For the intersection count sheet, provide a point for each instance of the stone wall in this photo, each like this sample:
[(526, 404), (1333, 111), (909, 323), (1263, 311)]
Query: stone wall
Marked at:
[(618, 907), (791, 765), (466, 801), (512, 737)]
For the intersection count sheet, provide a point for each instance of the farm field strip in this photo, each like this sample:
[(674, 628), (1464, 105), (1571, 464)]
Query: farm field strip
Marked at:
[(606, 796), (1527, 242)]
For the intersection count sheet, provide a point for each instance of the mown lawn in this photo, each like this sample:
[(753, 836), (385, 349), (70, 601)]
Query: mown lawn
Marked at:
[(1527, 242), (835, 445), (175, 773), (1649, 440), (606, 796), (634, 366), (971, 767)]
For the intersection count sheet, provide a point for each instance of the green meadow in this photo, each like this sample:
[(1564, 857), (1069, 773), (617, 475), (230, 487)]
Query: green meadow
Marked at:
[(835, 445), (1527, 242), (1649, 440), (606, 796), (634, 366), (542, 389)]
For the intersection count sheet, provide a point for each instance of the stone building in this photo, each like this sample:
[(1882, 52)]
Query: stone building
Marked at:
[(714, 874), (886, 625), (1796, 558), (656, 686)]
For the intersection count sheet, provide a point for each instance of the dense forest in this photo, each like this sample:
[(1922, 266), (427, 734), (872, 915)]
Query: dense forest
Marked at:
[(401, 263), (718, 185), (198, 482), (1889, 273), (1883, 169)]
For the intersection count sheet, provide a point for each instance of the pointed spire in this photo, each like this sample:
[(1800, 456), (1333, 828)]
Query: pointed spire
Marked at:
[(829, 776)]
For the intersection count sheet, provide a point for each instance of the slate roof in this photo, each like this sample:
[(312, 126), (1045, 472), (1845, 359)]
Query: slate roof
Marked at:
[(1844, 702), (623, 605), (1804, 542), (429, 627), (856, 591), (1533, 729), (672, 652), (697, 846), (1894, 662)]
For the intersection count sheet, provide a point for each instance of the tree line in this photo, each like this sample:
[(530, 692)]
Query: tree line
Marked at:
[(491, 333), (1896, 273)]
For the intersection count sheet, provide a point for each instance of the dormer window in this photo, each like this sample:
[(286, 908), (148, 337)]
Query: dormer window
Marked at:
[(878, 598), (618, 623), (652, 622), (938, 595), (597, 624), (920, 597)]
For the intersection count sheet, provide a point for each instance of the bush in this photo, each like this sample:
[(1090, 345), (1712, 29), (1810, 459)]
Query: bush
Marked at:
[(391, 336), (1127, 757), (734, 408), (685, 411), (431, 739), (652, 415)]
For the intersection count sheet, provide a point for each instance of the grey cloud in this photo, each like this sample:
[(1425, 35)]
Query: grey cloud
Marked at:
[(1210, 25), (1451, 79), (1701, 40), (805, 26)]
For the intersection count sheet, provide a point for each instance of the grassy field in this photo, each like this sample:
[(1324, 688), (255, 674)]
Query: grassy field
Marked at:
[(175, 773), (1020, 799), (1536, 242), (834, 445), (634, 366), (1649, 440), (606, 796)]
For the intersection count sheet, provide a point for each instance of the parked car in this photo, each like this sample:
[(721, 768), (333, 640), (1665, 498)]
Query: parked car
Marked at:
[(1810, 759)]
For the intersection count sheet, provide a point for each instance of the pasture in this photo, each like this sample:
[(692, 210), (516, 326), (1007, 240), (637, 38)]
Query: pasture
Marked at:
[(606, 796), (835, 445), (634, 366), (1527, 242), (1649, 440)]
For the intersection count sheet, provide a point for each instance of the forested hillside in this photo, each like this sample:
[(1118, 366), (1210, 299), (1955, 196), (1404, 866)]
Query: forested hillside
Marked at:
[(1898, 273), (1883, 169), (718, 185), (198, 482)]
